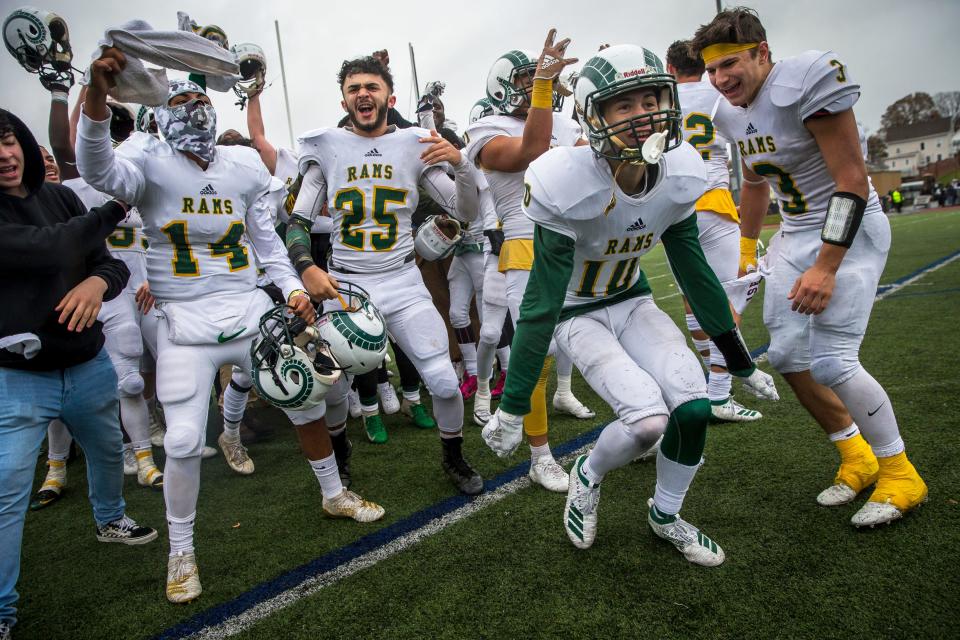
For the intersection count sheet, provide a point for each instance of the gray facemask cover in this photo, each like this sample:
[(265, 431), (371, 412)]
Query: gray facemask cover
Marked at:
[(191, 126)]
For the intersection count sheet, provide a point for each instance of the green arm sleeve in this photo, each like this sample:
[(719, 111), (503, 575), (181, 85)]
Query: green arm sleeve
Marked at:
[(697, 280), (542, 302), (298, 243)]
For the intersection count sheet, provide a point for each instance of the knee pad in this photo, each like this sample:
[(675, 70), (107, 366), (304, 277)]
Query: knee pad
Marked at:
[(183, 441), (490, 331), (833, 370), (440, 378), (686, 432), (646, 430), (129, 382), (460, 318)]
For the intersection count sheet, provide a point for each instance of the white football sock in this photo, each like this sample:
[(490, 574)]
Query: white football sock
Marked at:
[(327, 476), (58, 441), (181, 533), (469, 352), (234, 404), (845, 434), (673, 480), (718, 387), (870, 407), (181, 485), (412, 395), (540, 451), (134, 418)]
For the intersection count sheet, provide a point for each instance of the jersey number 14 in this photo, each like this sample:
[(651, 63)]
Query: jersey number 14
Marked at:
[(185, 263)]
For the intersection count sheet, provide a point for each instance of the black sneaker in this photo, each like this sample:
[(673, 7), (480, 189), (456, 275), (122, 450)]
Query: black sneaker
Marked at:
[(342, 449), (461, 474), (125, 531)]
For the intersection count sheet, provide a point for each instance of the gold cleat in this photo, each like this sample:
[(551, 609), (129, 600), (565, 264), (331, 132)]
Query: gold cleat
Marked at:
[(183, 578), (899, 489), (350, 505)]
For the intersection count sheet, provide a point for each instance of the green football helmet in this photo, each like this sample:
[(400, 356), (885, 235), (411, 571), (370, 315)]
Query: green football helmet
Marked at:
[(621, 69), (503, 88)]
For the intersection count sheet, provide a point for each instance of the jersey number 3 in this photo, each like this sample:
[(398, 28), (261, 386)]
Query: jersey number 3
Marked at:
[(353, 207)]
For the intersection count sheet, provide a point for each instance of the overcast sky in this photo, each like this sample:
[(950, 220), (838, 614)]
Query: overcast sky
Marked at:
[(891, 48)]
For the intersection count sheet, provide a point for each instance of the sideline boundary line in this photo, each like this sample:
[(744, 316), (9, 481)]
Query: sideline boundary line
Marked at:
[(238, 615)]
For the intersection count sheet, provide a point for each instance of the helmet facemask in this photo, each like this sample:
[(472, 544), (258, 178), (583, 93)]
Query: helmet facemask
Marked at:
[(40, 41), (659, 130)]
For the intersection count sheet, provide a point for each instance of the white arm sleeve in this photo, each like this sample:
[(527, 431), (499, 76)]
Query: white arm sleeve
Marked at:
[(460, 198), (271, 253), (312, 195), (101, 167)]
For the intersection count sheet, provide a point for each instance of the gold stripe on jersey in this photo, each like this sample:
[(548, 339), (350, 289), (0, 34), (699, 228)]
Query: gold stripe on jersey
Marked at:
[(516, 254), (719, 201)]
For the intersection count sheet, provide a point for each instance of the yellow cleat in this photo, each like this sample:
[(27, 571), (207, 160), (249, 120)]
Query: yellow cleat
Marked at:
[(899, 489), (858, 470), (183, 578), (349, 505)]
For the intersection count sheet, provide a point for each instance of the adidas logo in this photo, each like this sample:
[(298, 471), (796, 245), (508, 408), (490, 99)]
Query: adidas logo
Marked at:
[(637, 226), (208, 191), (751, 130), (373, 153)]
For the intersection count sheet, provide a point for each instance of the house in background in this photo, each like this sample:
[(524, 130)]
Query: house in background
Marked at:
[(917, 145)]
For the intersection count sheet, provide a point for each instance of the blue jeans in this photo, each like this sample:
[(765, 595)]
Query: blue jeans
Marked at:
[(85, 398)]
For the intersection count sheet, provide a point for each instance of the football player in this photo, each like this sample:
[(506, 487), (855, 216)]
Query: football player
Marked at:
[(596, 210), (717, 219), (203, 210), (794, 125), (368, 174), (520, 86)]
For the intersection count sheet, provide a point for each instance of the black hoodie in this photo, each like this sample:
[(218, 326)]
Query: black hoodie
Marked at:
[(49, 243)]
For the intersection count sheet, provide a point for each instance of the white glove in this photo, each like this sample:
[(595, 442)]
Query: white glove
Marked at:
[(761, 385), (503, 433)]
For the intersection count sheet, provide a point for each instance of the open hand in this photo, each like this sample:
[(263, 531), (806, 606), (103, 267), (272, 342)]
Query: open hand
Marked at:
[(440, 150), (551, 61), (82, 304)]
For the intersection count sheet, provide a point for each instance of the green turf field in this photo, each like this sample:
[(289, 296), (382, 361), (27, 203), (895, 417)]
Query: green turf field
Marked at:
[(793, 569)]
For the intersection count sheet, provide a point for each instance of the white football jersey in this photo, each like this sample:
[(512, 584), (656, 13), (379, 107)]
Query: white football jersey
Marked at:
[(775, 144), (572, 192), (698, 103), (507, 188), (194, 220), (371, 186), (127, 243)]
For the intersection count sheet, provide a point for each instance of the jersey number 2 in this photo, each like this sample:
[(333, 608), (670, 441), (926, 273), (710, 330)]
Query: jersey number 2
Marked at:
[(702, 123)]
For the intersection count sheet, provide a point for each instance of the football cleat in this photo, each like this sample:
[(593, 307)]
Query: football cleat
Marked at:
[(580, 512), (52, 488), (353, 400), (856, 473), (183, 578), (388, 398), (567, 403), (236, 454), (375, 429), (730, 410), (468, 387), (148, 475), (349, 505), (461, 474), (418, 414), (695, 547), (125, 531), (207, 452), (481, 408), (497, 391), (549, 474), (503, 433), (129, 461), (899, 489)]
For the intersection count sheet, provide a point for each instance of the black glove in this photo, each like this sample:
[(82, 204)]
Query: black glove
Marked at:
[(495, 236)]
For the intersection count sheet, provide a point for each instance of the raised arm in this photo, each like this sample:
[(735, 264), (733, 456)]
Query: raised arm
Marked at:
[(58, 129), (257, 132)]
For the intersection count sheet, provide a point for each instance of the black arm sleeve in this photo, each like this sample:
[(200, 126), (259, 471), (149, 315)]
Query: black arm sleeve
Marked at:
[(51, 248)]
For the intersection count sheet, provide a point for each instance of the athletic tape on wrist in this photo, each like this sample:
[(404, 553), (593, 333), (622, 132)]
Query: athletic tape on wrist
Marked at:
[(542, 97)]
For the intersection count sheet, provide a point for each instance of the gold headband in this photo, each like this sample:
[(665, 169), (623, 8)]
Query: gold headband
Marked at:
[(714, 51)]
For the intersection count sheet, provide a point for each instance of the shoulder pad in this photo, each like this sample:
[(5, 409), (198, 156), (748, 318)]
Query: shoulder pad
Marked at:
[(686, 174), (793, 76), (309, 147), (246, 156), (571, 183), (141, 143), (484, 130)]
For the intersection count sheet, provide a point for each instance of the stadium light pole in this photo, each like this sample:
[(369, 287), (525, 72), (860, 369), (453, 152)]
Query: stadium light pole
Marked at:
[(283, 77), (413, 69)]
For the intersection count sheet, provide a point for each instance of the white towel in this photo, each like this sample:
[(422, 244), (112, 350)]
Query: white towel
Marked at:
[(180, 50), (27, 344)]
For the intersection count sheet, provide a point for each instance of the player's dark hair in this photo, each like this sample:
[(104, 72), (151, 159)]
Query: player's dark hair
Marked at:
[(739, 25), (680, 58), (6, 125), (366, 64)]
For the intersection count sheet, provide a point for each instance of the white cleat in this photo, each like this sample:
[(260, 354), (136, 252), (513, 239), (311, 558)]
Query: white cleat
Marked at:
[(568, 403), (353, 400), (350, 505), (873, 513), (207, 452), (236, 454), (548, 473), (388, 398), (836, 495), (481, 409), (695, 547), (580, 512), (733, 411), (183, 578), (129, 461)]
